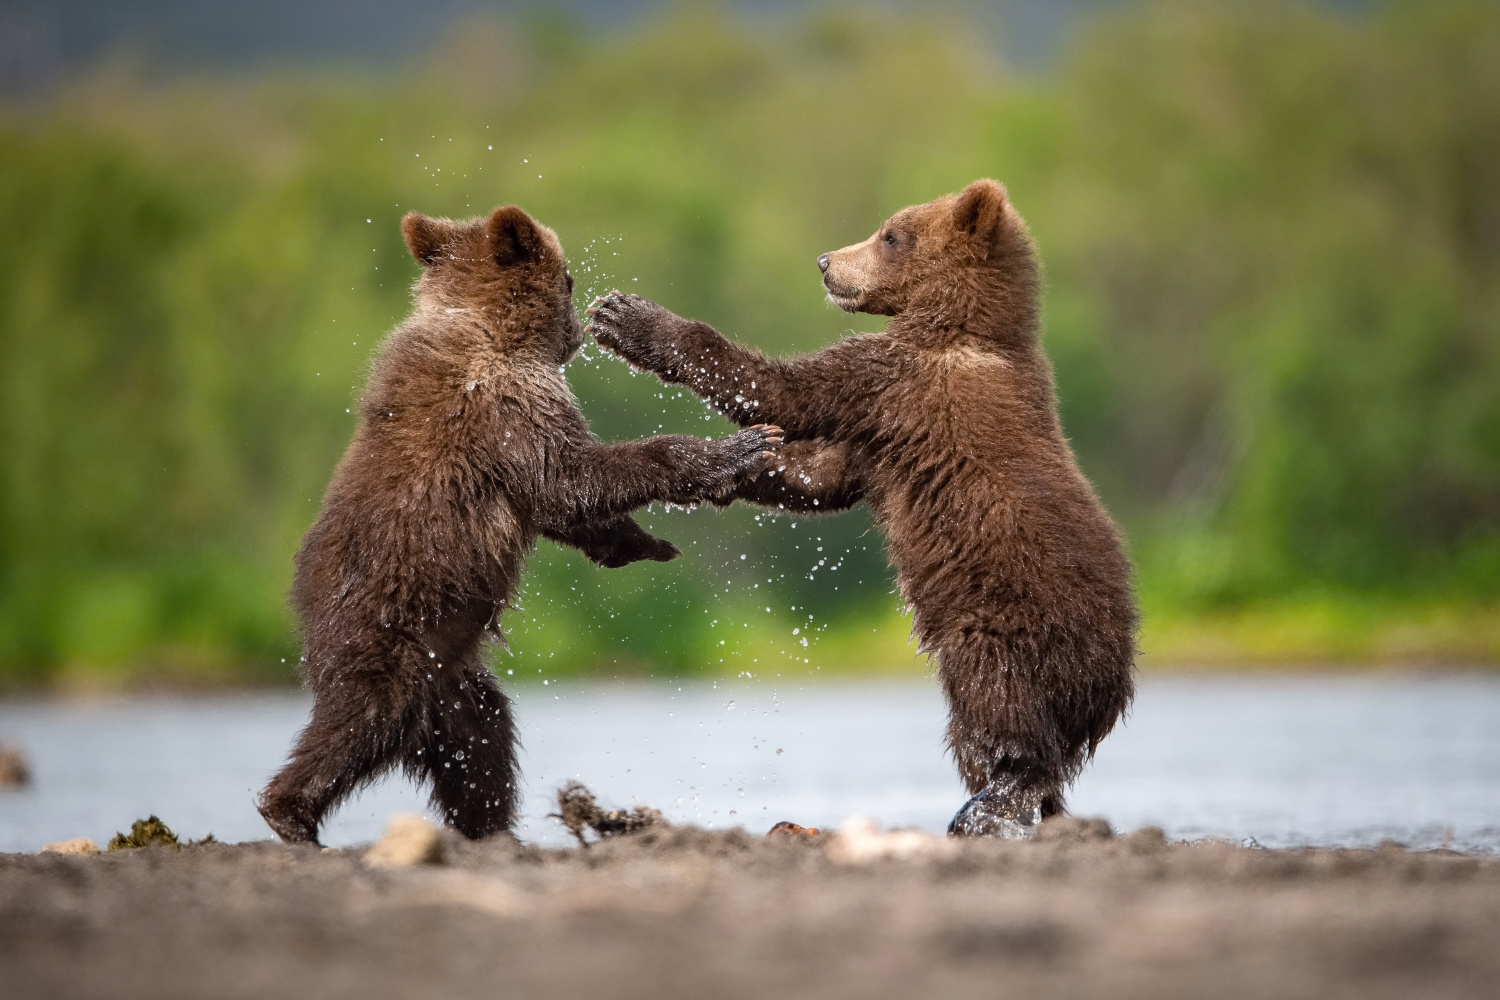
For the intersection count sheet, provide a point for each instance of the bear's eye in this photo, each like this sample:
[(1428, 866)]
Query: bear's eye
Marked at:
[(890, 237)]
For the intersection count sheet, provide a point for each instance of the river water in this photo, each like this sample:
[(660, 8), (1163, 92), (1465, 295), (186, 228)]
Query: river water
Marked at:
[(1275, 760)]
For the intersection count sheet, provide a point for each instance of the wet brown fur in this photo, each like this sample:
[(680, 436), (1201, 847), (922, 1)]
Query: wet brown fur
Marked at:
[(469, 446), (946, 424)]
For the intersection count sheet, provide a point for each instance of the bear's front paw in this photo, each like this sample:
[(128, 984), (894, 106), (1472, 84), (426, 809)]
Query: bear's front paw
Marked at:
[(748, 453), (636, 329), (752, 455), (718, 466), (736, 460)]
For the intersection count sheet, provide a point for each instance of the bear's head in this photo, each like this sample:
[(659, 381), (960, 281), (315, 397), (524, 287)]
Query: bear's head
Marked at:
[(950, 257), (507, 269)]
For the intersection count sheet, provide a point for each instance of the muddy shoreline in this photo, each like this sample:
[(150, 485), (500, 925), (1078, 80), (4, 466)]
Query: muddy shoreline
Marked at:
[(682, 912)]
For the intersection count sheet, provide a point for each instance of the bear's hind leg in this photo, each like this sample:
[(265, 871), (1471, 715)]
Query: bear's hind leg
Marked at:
[(354, 734), (470, 754)]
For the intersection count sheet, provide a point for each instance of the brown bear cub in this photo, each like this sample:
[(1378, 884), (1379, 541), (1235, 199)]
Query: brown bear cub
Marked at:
[(946, 424), (469, 446)]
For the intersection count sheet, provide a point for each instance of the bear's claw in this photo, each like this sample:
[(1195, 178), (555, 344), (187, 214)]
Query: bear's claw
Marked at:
[(756, 442), (630, 326), (741, 456)]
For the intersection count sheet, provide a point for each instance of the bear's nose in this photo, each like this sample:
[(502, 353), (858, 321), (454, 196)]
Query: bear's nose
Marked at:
[(823, 263)]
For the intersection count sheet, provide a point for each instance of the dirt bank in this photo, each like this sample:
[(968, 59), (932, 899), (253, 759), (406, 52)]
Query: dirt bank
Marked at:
[(680, 912)]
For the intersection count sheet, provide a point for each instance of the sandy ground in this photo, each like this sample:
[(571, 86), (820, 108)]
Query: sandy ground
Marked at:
[(680, 912)]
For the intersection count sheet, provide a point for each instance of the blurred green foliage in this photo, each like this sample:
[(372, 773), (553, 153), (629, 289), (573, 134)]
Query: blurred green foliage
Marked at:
[(1273, 248)]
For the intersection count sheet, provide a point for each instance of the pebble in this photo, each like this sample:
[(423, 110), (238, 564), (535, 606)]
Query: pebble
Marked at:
[(859, 841), (78, 845), (14, 769), (408, 840)]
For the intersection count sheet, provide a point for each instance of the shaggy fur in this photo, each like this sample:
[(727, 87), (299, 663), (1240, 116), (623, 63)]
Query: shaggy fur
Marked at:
[(469, 446), (946, 424)]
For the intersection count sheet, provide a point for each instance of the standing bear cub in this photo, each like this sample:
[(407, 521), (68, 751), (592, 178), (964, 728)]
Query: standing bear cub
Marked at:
[(469, 446), (946, 424)]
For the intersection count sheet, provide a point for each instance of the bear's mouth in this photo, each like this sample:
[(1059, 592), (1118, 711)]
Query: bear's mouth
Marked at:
[(847, 299)]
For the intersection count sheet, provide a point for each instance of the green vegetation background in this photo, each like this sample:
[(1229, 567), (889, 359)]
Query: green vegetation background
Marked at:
[(1272, 240)]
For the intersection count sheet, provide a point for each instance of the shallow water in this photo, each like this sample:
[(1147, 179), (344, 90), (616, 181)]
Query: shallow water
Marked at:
[(1280, 761)]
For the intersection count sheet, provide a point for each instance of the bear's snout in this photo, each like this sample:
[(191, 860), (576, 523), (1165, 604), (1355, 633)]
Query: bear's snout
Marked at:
[(842, 278)]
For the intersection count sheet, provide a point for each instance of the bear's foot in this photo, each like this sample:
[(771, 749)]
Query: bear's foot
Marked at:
[(997, 811), (287, 824)]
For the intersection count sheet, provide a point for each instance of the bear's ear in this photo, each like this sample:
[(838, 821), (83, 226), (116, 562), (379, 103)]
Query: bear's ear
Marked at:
[(515, 237), (425, 237), (979, 209)]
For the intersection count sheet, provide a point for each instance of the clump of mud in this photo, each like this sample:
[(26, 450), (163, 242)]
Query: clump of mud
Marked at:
[(578, 812)]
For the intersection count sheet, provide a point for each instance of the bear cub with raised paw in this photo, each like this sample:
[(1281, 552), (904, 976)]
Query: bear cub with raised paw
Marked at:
[(946, 425), (469, 446)]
